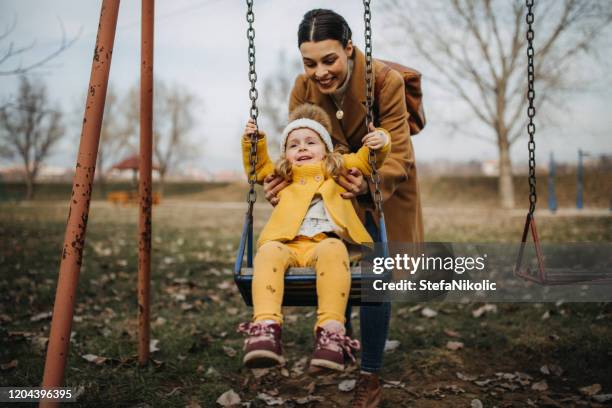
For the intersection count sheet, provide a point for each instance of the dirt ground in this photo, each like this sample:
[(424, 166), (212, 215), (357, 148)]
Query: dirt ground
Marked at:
[(439, 354)]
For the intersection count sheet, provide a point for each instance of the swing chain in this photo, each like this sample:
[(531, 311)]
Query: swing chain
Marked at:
[(254, 111), (531, 111), (375, 177)]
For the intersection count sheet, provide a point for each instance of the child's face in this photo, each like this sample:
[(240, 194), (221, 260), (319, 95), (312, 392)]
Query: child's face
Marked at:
[(304, 146)]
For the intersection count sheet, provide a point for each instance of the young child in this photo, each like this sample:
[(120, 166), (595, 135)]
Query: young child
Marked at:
[(307, 229)]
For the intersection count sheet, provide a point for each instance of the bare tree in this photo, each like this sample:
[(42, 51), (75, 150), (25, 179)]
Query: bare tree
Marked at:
[(10, 51), (174, 121), (114, 135), (30, 128), (475, 50), (275, 96)]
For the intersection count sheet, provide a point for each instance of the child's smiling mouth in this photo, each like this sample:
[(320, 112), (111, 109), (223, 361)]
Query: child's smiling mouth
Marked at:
[(304, 158)]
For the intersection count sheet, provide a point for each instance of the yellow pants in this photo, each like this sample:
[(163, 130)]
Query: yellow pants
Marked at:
[(330, 259)]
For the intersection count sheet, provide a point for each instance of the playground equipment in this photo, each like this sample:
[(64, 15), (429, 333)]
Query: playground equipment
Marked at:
[(300, 283), (74, 239), (542, 275), (131, 196), (580, 179), (552, 196)]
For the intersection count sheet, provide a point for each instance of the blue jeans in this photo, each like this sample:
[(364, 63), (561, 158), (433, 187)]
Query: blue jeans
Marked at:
[(374, 321)]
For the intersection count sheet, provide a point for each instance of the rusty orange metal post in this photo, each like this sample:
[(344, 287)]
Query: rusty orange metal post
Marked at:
[(74, 238), (145, 186)]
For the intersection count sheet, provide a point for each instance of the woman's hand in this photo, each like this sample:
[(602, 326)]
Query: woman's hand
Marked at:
[(249, 129), (376, 139), (353, 182), (272, 184)]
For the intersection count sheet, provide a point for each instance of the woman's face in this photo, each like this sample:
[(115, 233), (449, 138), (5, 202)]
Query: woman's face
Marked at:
[(326, 63), (304, 146)]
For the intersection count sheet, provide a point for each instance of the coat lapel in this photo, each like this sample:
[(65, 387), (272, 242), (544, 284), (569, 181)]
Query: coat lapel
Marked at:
[(354, 104)]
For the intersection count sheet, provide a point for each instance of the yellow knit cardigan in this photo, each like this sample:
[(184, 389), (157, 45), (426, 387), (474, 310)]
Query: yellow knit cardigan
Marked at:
[(308, 180)]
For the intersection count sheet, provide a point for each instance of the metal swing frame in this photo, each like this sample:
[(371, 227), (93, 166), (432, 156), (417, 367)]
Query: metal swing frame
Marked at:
[(300, 283), (542, 275)]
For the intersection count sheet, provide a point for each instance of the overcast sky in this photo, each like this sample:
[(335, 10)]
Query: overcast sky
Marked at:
[(201, 44)]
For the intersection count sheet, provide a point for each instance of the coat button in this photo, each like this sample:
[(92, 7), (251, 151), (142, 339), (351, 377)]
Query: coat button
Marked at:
[(317, 178), (302, 180)]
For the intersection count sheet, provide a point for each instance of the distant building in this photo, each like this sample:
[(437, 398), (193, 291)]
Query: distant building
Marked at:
[(490, 168), (228, 175), (45, 173)]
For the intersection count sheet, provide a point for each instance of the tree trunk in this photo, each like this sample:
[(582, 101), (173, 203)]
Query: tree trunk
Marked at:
[(162, 177), (29, 187), (505, 185), (102, 185)]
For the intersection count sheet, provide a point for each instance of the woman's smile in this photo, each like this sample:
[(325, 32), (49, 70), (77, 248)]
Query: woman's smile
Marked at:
[(327, 82)]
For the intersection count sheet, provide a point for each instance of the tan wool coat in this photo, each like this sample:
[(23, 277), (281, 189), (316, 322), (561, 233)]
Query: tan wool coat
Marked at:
[(400, 190)]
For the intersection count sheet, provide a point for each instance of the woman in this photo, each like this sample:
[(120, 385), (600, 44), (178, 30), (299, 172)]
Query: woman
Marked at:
[(334, 79)]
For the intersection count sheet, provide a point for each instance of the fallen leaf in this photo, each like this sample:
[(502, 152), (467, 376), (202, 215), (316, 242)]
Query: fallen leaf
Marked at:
[(41, 316), (555, 369), (393, 384), (291, 318), (415, 308), (347, 385), (549, 369), (7, 366), (602, 397), (193, 404), (269, 399), (229, 398), (153, 345), (260, 372), (454, 345), (454, 389), (227, 284), (466, 377), (391, 345), (428, 312), (487, 308), (40, 342), (451, 333), (546, 401), (311, 387), (92, 358), (476, 403), (308, 399), (186, 306), (298, 367), (590, 390), (508, 386), (506, 376), (230, 352), (540, 386), (211, 372)]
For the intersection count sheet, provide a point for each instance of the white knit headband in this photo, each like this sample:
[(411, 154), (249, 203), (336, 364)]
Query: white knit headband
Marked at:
[(309, 124)]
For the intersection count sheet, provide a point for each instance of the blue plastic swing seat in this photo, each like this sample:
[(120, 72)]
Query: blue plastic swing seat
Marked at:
[(300, 286)]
